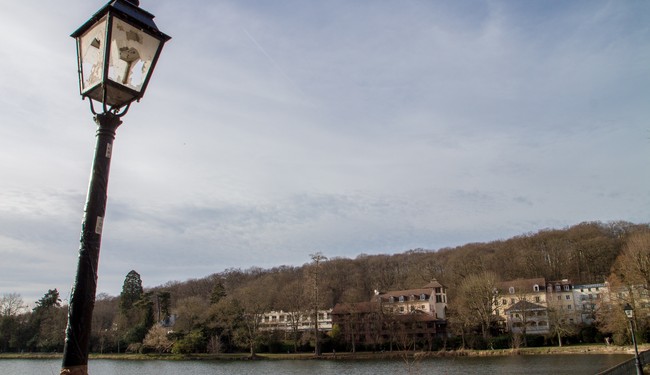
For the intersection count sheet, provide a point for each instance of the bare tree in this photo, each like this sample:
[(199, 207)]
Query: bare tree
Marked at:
[(476, 300), (293, 303), (11, 304), (634, 261), (314, 276)]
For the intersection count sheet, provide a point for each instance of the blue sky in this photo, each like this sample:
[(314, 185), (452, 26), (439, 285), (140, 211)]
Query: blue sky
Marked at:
[(272, 130)]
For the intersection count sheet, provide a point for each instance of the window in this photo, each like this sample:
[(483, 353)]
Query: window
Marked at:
[(591, 296), (401, 298), (567, 287), (512, 301), (535, 288), (496, 311), (504, 301), (558, 288), (537, 299), (422, 297), (511, 290), (438, 299), (438, 290), (568, 307), (401, 308), (568, 296)]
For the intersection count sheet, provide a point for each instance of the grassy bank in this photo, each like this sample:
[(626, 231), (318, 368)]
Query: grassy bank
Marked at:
[(573, 349)]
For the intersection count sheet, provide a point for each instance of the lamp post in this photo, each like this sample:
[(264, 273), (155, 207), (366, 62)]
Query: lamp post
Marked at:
[(629, 312), (117, 50)]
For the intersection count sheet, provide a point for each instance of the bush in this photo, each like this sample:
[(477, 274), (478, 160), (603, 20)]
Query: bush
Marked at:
[(193, 342)]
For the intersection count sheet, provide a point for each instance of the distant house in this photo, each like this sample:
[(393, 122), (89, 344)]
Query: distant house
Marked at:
[(528, 318), (587, 299), (296, 321), (431, 299), (509, 293), (394, 318), (536, 304)]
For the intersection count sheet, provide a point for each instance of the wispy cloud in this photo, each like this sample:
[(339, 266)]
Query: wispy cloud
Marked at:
[(343, 127)]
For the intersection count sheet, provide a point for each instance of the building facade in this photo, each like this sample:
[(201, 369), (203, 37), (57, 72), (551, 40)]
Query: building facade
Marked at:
[(534, 305), (587, 299), (296, 321), (401, 317)]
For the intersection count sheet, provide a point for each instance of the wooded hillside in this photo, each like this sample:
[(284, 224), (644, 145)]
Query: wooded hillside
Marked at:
[(220, 312), (583, 253)]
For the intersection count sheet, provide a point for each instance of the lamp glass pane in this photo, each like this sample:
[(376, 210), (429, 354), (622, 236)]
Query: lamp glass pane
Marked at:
[(131, 56), (91, 54)]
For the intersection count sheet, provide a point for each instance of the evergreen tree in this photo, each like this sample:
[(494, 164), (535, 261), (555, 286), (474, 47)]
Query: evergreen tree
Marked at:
[(132, 291), (218, 292), (47, 323), (50, 299)]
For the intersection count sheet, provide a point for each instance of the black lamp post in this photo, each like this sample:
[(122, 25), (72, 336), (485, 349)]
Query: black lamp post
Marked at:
[(117, 50), (629, 312)]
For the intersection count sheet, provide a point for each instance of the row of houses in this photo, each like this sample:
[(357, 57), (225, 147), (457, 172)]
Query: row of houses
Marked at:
[(519, 306), (389, 317), (532, 305)]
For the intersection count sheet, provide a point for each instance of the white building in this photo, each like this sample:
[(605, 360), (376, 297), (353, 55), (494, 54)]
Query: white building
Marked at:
[(296, 321), (587, 299)]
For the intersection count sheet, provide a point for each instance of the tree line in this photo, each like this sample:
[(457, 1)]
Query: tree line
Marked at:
[(221, 312)]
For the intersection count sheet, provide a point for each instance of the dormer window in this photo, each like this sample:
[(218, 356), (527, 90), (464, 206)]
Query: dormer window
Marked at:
[(391, 299), (511, 290), (567, 287), (423, 297), (558, 288), (535, 288), (401, 298)]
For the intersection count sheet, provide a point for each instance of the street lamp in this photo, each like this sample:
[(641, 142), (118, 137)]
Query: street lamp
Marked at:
[(629, 312), (117, 50)]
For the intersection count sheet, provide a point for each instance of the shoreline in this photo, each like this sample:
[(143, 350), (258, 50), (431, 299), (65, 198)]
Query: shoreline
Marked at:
[(567, 350)]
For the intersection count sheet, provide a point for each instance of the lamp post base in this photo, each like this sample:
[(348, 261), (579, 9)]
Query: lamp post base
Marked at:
[(75, 370)]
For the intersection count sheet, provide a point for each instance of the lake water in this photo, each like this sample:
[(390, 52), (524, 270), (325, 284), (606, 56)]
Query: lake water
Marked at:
[(529, 365)]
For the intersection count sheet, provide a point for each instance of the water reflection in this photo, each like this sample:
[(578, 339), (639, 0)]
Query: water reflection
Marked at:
[(529, 365)]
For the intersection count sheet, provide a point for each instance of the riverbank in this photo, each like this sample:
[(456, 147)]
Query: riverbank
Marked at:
[(573, 349)]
